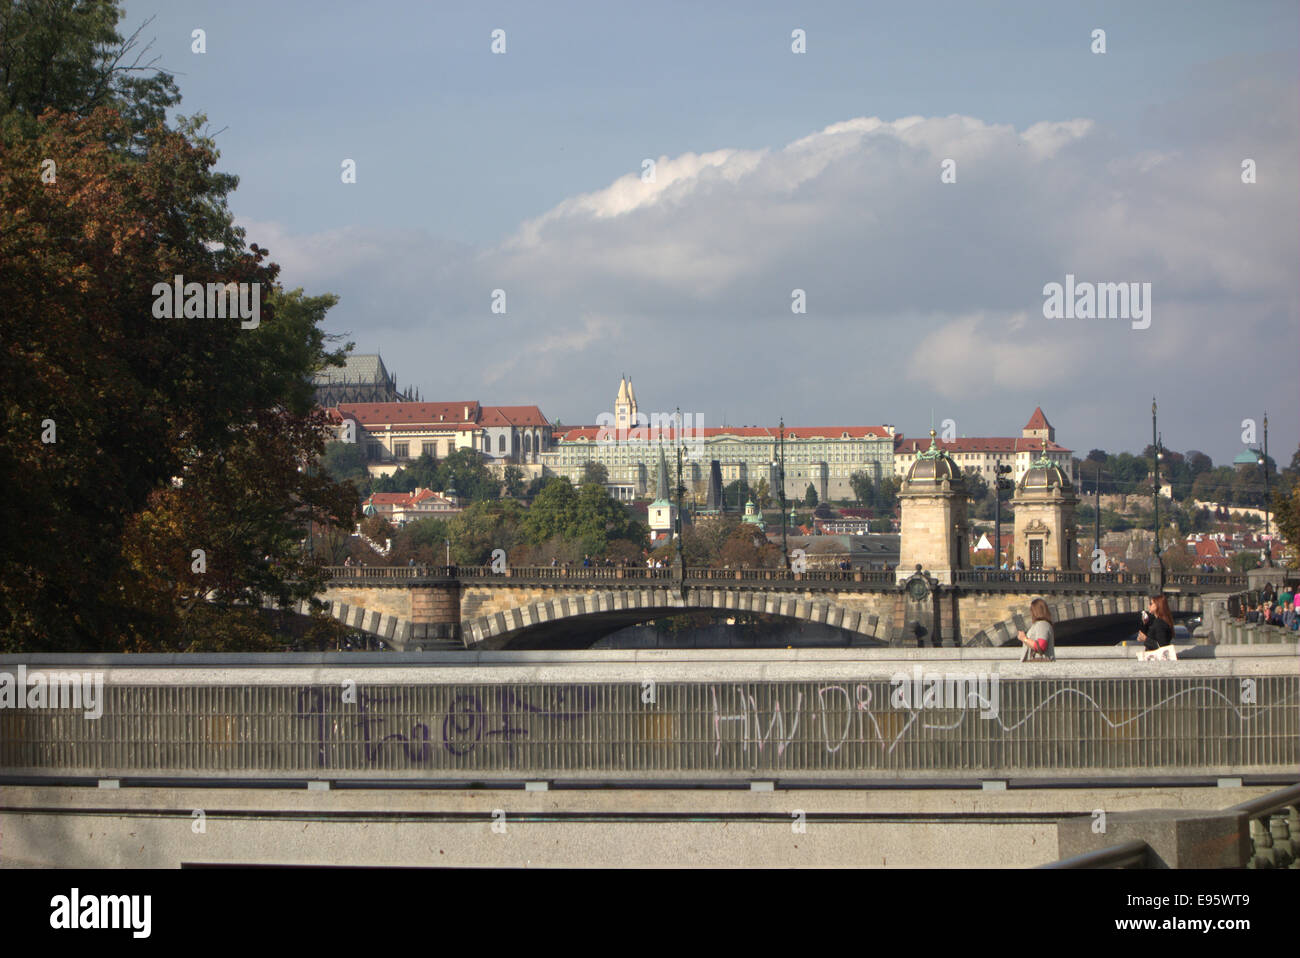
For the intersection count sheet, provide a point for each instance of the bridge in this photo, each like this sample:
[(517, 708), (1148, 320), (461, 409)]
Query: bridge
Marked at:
[(619, 757), (476, 607)]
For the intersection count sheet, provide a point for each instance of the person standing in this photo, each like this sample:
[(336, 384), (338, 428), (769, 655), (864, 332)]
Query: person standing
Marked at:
[(1158, 625), (1041, 638)]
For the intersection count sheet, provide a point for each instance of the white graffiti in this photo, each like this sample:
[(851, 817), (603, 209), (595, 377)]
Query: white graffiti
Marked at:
[(749, 707), (847, 716)]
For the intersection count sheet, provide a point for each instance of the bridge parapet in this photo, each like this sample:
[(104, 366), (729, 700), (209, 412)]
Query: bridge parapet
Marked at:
[(1058, 580), (873, 717)]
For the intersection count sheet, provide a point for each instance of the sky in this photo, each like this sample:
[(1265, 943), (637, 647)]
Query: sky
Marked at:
[(777, 171)]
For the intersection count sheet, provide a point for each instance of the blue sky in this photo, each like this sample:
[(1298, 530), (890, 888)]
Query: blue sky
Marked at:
[(521, 172)]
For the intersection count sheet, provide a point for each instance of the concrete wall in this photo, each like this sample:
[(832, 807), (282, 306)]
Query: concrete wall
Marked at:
[(914, 828)]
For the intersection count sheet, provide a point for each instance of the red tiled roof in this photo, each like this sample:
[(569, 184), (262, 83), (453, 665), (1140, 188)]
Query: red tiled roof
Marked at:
[(654, 434), (513, 416), (411, 413), (1038, 420), (404, 498), (389, 498), (979, 444)]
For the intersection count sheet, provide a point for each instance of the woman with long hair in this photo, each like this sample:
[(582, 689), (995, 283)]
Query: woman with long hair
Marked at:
[(1157, 623), (1041, 638)]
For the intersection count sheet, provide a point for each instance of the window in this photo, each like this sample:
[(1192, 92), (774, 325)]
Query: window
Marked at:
[(501, 443), (428, 448), (402, 450)]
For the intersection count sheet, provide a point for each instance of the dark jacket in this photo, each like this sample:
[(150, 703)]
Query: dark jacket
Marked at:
[(1158, 633)]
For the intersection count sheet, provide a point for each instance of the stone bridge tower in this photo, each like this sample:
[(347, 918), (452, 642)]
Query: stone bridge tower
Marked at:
[(933, 528), (1044, 502)]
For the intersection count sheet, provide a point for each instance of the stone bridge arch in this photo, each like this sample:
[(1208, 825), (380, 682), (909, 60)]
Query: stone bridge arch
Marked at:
[(399, 633), (1080, 610), (621, 607)]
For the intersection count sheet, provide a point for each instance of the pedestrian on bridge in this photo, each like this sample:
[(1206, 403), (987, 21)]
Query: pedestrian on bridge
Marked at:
[(1041, 639), (1158, 624)]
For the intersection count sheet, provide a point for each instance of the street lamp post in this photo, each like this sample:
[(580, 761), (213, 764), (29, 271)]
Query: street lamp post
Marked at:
[(1158, 581), (678, 560), (1097, 527), (785, 547), (1268, 535), (999, 471)]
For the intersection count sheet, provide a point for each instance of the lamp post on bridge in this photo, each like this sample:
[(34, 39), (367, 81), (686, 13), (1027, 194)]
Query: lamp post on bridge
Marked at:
[(1157, 454), (1097, 527), (679, 562), (1263, 462), (999, 471), (785, 546)]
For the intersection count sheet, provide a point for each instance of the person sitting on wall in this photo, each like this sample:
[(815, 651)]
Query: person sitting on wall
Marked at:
[(1157, 623), (1041, 639)]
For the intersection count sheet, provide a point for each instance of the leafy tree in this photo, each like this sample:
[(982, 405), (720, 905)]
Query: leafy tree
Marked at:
[(736, 492), (762, 494), (67, 56), (1098, 455), (1244, 561), (344, 460), (465, 471), (1198, 462), (514, 482), (552, 511), (810, 496), (597, 519), (594, 473), (422, 540), (886, 495), (136, 400), (484, 527), (1287, 518), (863, 487)]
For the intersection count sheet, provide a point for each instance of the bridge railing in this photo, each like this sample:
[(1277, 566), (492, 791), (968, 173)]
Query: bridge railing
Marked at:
[(1050, 577), (302, 721), (1003, 579), (752, 576), (980, 578), (1274, 828), (595, 573), (608, 573), (1225, 580), (371, 572), (1131, 854)]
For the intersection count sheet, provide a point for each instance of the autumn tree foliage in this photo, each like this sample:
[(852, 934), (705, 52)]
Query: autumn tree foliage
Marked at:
[(135, 446)]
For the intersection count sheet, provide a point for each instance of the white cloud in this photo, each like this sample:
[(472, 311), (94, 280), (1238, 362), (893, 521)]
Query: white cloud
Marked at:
[(914, 287)]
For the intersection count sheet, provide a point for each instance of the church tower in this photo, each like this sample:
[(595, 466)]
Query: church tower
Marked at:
[(625, 407), (662, 514), (1038, 427)]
